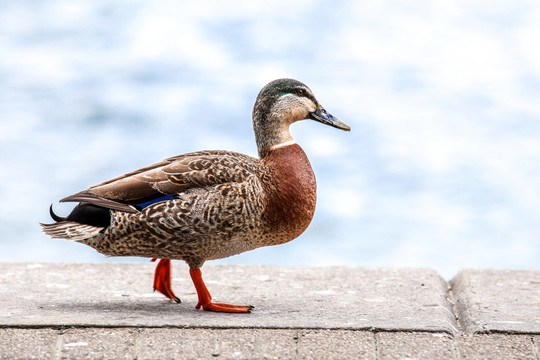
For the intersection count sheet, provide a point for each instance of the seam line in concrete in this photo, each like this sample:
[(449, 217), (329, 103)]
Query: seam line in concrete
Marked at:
[(217, 327), (462, 311), (501, 332), (138, 345), (535, 348), (376, 345), (217, 344), (296, 338), (456, 355), (452, 300), (58, 346)]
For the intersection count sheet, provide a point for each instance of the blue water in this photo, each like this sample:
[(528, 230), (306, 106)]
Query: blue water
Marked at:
[(440, 169)]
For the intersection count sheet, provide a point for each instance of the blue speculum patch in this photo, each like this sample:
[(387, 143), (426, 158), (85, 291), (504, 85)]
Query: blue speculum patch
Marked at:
[(156, 200)]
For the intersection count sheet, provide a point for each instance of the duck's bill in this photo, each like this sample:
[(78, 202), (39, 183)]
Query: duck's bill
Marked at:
[(321, 115)]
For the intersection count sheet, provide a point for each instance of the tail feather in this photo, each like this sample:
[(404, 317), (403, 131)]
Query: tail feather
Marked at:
[(70, 230), (56, 217)]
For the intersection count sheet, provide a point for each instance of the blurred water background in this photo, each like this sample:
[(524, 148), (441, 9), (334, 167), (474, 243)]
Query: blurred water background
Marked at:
[(441, 168)]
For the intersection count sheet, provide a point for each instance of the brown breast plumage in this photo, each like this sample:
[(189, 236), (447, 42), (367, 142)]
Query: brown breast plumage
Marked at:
[(290, 193)]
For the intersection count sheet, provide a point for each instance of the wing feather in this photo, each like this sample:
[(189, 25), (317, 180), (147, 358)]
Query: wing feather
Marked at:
[(169, 177)]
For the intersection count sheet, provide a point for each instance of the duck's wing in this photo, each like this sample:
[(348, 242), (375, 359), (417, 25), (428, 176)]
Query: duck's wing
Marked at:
[(168, 177)]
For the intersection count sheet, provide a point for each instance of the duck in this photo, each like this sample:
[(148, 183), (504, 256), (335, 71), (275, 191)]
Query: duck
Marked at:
[(209, 204)]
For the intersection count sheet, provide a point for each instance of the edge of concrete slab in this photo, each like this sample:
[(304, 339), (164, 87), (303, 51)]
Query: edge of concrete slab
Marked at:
[(497, 301), (371, 299)]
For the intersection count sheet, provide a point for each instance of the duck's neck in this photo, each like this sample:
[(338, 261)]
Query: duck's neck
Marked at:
[(283, 144), (271, 131)]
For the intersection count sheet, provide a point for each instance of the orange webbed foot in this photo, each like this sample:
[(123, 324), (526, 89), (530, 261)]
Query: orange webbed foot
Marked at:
[(205, 299), (220, 307), (162, 279)]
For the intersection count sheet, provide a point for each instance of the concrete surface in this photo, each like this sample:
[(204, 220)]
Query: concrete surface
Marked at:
[(87, 311), (330, 298), (498, 300)]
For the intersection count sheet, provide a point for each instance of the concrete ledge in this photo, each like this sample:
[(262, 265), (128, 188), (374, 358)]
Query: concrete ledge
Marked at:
[(319, 298), (109, 311), (498, 300)]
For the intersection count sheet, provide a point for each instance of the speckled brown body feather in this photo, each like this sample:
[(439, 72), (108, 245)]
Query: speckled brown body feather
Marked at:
[(273, 204)]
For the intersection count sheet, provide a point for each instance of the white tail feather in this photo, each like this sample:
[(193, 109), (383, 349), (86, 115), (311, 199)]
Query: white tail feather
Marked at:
[(70, 230)]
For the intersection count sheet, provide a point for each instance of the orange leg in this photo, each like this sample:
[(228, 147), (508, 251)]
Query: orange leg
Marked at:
[(205, 299), (162, 279)]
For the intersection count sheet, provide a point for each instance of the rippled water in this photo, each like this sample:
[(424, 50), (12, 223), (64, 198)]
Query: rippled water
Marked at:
[(440, 169)]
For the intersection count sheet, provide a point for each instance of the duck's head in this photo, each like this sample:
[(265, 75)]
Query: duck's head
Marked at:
[(281, 103)]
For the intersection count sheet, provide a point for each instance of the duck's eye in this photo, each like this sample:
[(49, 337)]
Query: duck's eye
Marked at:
[(300, 92)]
